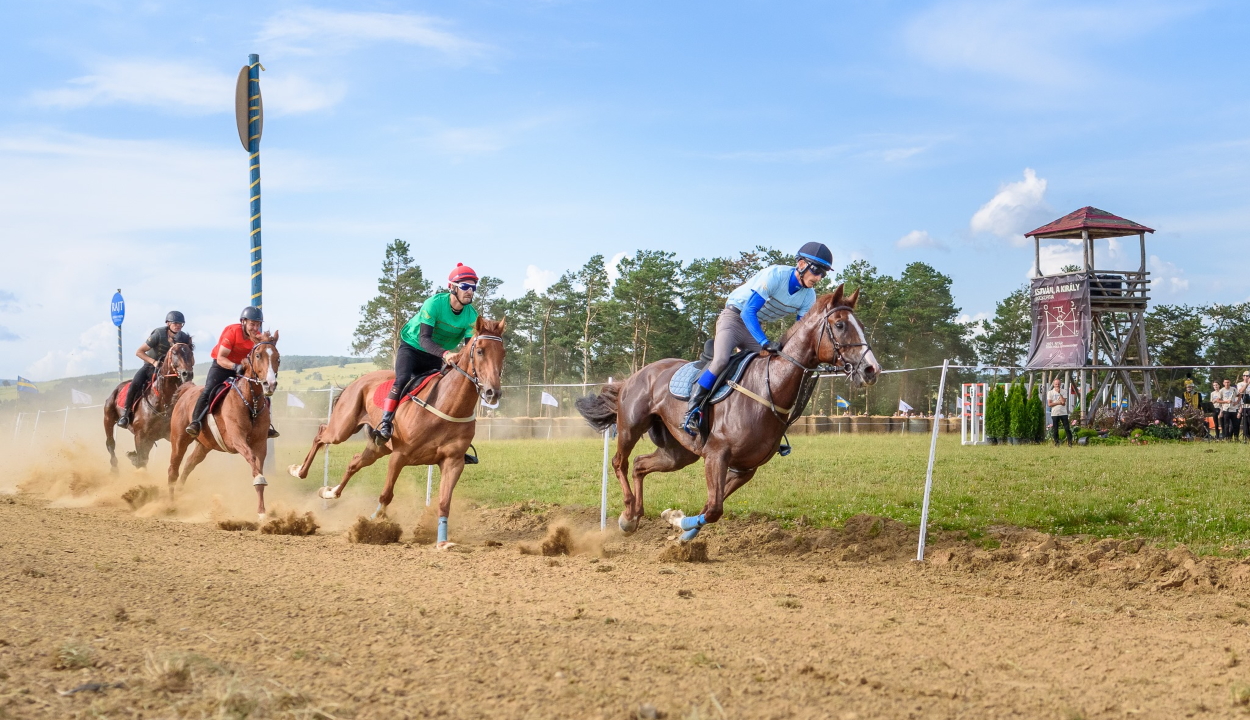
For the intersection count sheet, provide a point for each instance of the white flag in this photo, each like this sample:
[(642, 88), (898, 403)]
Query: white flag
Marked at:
[(1177, 402), (549, 400), (293, 401), (81, 398), (903, 407)]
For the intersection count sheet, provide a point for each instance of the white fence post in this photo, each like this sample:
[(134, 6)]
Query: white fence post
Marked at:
[(603, 492), (928, 479), (429, 483)]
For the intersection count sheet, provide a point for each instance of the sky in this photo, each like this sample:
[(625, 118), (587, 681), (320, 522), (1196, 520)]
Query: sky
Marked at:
[(522, 137)]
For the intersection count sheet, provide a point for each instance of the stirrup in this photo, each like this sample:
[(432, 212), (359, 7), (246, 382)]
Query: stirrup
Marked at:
[(471, 458), (693, 418), (382, 433), (194, 428), (123, 421), (273, 432)]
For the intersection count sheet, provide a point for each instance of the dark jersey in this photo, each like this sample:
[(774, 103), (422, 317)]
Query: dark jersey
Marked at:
[(158, 342)]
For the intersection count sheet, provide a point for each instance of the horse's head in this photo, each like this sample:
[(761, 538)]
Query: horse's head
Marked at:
[(264, 361), (486, 351), (842, 341), (180, 361)]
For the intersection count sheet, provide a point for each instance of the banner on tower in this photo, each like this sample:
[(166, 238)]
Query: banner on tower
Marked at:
[(1061, 321)]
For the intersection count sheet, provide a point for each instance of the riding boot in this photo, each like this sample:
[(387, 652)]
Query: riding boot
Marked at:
[(123, 420), (694, 413), (385, 428), (273, 431), (197, 415)]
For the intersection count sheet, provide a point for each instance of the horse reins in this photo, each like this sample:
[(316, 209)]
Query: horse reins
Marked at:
[(253, 408), (472, 377)]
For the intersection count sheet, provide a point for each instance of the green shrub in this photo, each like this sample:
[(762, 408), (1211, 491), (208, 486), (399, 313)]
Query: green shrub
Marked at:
[(995, 406), (1086, 433), (1037, 419), (1162, 432), (1019, 424)]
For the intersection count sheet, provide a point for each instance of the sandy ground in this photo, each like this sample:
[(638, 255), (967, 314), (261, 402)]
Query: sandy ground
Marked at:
[(192, 621)]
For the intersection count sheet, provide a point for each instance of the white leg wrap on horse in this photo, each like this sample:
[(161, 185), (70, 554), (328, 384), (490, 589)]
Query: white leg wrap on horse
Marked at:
[(673, 517), (326, 493), (294, 470), (260, 480)]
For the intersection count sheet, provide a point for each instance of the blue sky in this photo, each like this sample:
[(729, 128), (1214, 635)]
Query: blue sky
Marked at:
[(523, 137)]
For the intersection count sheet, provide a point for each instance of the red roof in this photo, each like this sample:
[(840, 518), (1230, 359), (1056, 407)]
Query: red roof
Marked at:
[(1099, 224)]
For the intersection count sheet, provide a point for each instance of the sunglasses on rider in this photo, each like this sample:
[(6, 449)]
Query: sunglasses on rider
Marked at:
[(817, 270), (467, 287)]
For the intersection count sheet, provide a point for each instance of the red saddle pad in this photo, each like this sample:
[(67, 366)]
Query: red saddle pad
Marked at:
[(221, 394), (381, 391), (121, 395)]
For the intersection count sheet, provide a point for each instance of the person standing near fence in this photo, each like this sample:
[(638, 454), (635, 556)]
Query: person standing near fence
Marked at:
[(1057, 401), (1231, 404), (1243, 413), (1217, 408)]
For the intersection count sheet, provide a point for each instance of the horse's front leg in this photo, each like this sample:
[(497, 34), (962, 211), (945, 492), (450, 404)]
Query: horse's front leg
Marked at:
[(397, 463), (254, 454), (448, 473), (715, 468)]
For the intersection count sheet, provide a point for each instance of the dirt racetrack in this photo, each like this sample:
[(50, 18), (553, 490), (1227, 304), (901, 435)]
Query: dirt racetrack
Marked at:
[(194, 621)]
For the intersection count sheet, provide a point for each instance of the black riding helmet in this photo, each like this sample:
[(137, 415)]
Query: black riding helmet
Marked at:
[(251, 312), (175, 317), (817, 253)]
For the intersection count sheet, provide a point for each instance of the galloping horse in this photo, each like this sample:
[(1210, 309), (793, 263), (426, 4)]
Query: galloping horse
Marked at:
[(151, 417), (746, 428), (436, 428), (239, 424)]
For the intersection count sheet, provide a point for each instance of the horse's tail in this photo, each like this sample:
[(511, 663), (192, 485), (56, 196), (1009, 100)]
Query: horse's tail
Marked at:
[(600, 410)]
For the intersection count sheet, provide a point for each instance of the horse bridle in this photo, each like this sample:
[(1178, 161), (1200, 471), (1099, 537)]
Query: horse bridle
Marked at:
[(253, 408), (845, 366), (168, 359), (473, 378)]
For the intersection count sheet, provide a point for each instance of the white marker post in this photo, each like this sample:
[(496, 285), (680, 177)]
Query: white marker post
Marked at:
[(928, 479), (429, 483), (603, 493), (65, 424)]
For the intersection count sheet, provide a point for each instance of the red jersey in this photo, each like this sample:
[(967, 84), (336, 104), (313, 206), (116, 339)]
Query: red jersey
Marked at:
[(240, 344)]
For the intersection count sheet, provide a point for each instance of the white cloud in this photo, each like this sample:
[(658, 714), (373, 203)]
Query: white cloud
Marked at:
[(94, 347), (309, 30), (537, 279), (1167, 276), (1029, 41), (1058, 253), (186, 88), (1017, 208), (977, 318), (145, 82), (919, 239), (613, 267)]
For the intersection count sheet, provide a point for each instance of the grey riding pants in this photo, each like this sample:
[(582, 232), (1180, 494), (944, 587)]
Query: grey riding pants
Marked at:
[(731, 335)]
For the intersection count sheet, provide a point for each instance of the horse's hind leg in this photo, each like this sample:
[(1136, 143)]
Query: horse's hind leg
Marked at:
[(109, 442), (627, 437), (198, 453), (362, 460), (669, 457)]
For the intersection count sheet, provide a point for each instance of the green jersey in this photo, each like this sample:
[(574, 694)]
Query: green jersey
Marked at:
[(450, 328)]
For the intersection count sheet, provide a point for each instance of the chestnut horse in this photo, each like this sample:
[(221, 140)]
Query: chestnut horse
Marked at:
[(746, 427), (241, 420), (150, 421), (436, 429)]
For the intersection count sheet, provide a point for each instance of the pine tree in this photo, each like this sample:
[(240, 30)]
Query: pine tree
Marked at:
[(401, 290)]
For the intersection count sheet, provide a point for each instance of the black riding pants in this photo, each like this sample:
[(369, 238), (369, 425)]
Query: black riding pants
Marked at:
[(409, 363), (135, 389), (216, 377), (1055, 422)]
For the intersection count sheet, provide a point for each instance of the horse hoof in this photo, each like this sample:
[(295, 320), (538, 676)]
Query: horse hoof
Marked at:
[(294, 470), (260, 520), (627, 524), (673, 517), (260, 480), (444, 546), (327, 493)]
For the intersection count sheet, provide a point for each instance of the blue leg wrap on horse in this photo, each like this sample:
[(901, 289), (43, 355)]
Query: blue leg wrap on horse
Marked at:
[(707, 379), (693, 523), (690, 534), (442, 529)]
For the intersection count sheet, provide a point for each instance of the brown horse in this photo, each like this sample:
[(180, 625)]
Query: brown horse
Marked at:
[(241, 419), (746, 428), (435, 429), (150, 421)]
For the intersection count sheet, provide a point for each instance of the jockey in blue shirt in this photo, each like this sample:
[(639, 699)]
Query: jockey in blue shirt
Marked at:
[(775, 292)]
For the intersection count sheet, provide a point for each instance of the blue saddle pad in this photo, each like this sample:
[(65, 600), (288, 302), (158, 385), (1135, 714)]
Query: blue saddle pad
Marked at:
[(686, 375)]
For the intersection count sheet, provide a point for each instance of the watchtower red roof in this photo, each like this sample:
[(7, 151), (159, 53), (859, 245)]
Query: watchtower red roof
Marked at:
[(1098, 223)]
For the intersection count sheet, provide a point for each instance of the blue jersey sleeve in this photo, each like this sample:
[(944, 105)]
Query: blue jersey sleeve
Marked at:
[(750, 317)]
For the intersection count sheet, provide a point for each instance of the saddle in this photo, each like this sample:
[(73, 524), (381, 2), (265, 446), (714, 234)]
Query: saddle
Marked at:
[(687, 375), (419, 383), (125, 387), (215, 401)]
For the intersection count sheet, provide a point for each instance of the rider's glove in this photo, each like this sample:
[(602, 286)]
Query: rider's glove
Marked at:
[(238, 368), (768, 346)]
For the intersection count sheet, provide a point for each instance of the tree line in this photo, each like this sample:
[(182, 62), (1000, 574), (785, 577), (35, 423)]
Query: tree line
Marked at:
[(587, 326)]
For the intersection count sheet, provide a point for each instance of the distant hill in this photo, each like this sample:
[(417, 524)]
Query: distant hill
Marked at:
[(56, 393)]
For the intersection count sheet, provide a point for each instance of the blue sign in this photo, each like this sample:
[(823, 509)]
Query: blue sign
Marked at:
[(117, 308)]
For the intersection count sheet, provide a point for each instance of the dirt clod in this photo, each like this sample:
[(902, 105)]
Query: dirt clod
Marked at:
[(693, 551), (236, 525), (292, 524), (140, 495), (374, 532)]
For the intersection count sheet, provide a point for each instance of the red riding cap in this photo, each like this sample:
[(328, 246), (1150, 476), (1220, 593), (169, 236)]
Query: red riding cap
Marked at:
[(462, 273)]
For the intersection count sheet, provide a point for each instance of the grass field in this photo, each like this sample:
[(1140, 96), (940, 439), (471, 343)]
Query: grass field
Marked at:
[(1192, 493)]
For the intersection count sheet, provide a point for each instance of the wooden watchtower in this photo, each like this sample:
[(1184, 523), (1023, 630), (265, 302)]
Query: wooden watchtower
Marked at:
[(1118, 300)]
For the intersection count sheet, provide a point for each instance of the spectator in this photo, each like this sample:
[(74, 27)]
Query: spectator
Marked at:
[(1057, 401), (1217, 408), (1230, 404), (1243, 415)]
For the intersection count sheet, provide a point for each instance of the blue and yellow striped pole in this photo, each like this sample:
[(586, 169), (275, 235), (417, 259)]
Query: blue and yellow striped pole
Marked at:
[(253, 148)]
